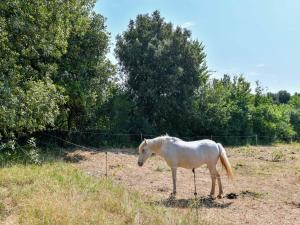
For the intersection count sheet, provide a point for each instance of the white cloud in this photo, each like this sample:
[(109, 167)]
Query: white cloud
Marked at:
[(187, 25)]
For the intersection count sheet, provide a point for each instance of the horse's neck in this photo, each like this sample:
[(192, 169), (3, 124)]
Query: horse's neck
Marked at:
[(156, 146)]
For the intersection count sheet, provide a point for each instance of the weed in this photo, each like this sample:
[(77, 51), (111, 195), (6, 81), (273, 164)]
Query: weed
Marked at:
[(277, 156), (238, 165), (159, 169), (252, 194)]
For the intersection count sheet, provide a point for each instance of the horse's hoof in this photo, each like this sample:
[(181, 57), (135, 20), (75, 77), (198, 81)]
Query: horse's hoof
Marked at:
[(212, 197), (220, 196), (172, 196)]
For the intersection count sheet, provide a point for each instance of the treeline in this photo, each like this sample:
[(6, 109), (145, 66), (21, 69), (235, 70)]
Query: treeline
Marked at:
[(55, 75)]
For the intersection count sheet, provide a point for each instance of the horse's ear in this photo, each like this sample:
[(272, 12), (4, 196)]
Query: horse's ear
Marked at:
[(167, 134), (145, 140)]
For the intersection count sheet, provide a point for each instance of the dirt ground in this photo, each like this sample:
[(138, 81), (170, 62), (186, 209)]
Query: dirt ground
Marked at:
[(266, 189)]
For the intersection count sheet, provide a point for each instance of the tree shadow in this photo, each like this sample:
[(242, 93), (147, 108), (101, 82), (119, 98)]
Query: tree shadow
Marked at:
[(202, 202), (75, 155)]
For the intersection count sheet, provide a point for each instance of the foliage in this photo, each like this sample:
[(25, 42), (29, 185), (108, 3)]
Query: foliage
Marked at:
[(281, 97), (163, 67), (212, 108), (34, 36), (52, 66), (30, 108), (224, 107), (54, 73), (295, 115), (84, 72), (273, 120), (12, 153)]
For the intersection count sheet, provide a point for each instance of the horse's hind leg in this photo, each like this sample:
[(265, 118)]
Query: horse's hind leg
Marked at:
[(174, 171), (213, 181), (215, 175), (220, 195)]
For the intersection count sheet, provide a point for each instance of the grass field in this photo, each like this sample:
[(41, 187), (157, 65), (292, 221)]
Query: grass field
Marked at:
[(60, 193), (266, 187)]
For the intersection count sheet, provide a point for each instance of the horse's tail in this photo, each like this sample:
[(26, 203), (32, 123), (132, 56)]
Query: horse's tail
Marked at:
[(225, 162)]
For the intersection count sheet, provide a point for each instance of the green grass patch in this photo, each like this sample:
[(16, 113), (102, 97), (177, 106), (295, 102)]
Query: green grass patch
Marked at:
[(60, 193), (159, 169), (252, 194), (277, 156)]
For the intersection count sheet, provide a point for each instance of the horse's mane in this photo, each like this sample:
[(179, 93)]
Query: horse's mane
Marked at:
[(158, 141), (165, 138)]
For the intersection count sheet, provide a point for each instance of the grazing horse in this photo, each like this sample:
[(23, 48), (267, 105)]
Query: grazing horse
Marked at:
[(189, 155)]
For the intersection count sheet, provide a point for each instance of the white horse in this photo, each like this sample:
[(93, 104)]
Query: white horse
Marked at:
[(189, 155)]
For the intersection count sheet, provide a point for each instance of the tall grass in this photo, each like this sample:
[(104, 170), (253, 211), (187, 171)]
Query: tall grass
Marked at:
[(60, 193)]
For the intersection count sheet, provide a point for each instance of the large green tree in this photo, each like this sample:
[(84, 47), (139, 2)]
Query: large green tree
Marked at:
[(84, 72), (163, 68), (33, 37), (223, 107), (51, 52)]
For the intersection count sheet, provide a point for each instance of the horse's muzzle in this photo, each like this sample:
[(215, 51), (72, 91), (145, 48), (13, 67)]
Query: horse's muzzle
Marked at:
[(140, 163)]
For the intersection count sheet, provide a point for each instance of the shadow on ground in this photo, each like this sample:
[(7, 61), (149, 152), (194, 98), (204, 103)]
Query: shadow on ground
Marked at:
[(202, 202), (75, 155)]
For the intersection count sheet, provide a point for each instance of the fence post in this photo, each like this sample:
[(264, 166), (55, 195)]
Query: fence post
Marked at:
[(141, 136), (106, 172), (256, 140)]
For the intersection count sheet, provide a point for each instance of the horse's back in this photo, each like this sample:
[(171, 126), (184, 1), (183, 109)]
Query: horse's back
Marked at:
[(200, 145), (193, 154)]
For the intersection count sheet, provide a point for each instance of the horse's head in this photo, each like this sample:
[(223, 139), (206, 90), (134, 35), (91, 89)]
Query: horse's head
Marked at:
[(144, 152)]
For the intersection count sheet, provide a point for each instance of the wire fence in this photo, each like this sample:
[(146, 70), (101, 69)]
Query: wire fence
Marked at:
[(97, 139), (92, 140)]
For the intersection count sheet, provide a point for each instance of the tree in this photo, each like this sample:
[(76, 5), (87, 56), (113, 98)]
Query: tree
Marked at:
[(223, 107), (163, 67), (295, 116), (39, 42), (212, 108), (273, 120), (32, 38), (39, 30), (84, 72), (281, 97)]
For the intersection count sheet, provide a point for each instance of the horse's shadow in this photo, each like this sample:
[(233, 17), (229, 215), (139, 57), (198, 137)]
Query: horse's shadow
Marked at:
[(202, 202)]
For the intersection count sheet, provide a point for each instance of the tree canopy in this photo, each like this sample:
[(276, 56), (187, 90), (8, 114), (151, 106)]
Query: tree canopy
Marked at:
[(163, 68), (52, 64)]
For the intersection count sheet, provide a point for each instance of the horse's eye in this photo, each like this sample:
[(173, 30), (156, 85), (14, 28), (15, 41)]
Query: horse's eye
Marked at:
[(143, 151)]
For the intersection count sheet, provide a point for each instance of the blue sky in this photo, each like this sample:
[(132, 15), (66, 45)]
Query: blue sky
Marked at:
[(258, 38)]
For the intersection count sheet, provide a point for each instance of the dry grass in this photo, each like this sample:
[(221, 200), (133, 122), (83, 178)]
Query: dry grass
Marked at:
[(266, 186), (60, 193), (265, 191)]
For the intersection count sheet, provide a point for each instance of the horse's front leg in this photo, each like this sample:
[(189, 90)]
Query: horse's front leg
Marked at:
[(174, 171)]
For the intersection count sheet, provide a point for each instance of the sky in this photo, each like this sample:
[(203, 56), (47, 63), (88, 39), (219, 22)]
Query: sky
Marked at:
[(257, 38)]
